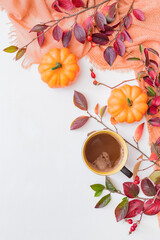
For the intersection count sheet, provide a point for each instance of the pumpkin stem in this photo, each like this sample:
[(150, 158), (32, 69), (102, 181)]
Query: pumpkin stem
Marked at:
[(58, 65), (129, 102)]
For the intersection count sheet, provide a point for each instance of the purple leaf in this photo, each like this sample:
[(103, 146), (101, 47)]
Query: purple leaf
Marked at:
[(131, 190), (80, 101), (147, 187), (128, 21), (40, 38), (100, 20), (156, 101), (135, 207), (39, 28), (119, 47), (108, 30), (79, 122), (78, 3), (100, 38), (139, 14), (57, 33), (127, 37), (79, 33), (110, 16), (109, 55), (152, 207), (148, 81), (153, 51), (121, 210), (66, 37), (155, 121)]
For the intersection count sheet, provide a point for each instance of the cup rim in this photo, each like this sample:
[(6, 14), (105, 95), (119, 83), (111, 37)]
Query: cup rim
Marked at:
[(124, 145)]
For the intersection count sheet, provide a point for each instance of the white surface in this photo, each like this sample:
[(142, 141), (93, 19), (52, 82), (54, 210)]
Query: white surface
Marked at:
[(44, 184)]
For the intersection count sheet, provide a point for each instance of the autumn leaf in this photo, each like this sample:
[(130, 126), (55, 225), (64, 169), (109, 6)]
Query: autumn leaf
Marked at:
[(139, 14), (79, 33), (152, 207), (11, 49), (121, 210), (109, 55), (103, 201), (80, 101), (79, 122), (96, 110), (131, 190), (138, 132), (135, 207), (20, 53), (155, 177), (102, 110), (147, 187), (136, 168), (113, 121)]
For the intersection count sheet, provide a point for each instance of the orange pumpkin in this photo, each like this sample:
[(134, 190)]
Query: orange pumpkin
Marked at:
[(127, 104), (58, 68)]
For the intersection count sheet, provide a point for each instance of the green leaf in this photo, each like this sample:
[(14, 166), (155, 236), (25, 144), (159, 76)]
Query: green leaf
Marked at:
[(121, 210), (103, 201), (102, 111), (97, 187), (133, 59), (151, 92), (155, 176), (110, 186), (20, 53), (98, 193), (10, 49), (141, 49)]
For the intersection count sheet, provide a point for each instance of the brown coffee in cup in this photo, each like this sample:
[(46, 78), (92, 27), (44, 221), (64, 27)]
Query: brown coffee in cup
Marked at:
[(103, 152)]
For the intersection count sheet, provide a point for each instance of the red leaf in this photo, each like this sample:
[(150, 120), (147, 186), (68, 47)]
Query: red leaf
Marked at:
[(155, 122), (39, 28), (156, 101), (157, 82), (66, 37), (79, 122), (152, 110), (57, 33), (116, 25), (79, 33), (153, 157), (138, 132), (100, 38), (96, 110), (146, 56), (65, 4), (147, 187), (80, 101), (100, 20), (88, 24), (139, 14), (119, 47), (109, 55), (108, 30), (78, 3), (110, 16), (154, 63), (152, 74), (128, 21), (127, 37), (148, 81), (121, 210), (152, 207), (135, 207), (121, 36), (158, 142), (55, 6), (131, 190), (40, 38)]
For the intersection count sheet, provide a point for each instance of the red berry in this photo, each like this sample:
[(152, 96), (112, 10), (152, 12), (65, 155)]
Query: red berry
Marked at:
[(93, 44), (93, 75), (95, 82), (136, 182), (137, 178), (130, 221), (89, 38), (134, 225), (132, 229)]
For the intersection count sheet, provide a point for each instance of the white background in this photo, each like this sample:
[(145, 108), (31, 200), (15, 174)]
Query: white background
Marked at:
[(44, 184)]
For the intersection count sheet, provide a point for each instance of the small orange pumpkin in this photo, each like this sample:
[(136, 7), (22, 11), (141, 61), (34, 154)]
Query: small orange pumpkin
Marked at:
[(58, 68), (127, 104)]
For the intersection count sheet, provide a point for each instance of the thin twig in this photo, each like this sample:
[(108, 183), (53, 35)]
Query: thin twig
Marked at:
[(99, 83)]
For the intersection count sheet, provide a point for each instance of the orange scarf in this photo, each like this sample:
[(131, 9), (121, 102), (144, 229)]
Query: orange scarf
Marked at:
[(24, 14)]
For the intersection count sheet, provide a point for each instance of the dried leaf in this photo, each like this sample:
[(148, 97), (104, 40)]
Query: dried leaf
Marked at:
[(20, 53), (119, 47), (40, 38), (139, 131), (100, 38), (11, 49), (103, 201), (155, 177), (136, 168), (80, 101), (140, 157), (100, 20), (152, 207), (139, 14), (113, 121), (155, 122), (131, 190), (135, 207), (39, 28), (78, 3), (97, 187), (66, 37), (57, 33), (109, 55), (102, 110), (96, 110), (147, 187), (109, 185), (128, 21), (79, 122), (121, 210)]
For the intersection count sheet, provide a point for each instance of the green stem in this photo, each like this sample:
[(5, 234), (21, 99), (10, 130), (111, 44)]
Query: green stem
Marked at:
[(58, 65), (129, 102)]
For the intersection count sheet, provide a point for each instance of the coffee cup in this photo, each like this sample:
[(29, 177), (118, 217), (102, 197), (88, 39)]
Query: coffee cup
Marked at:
[(105, 153)]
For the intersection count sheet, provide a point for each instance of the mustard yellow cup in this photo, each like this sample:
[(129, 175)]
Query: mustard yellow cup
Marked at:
[(120, 166)]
